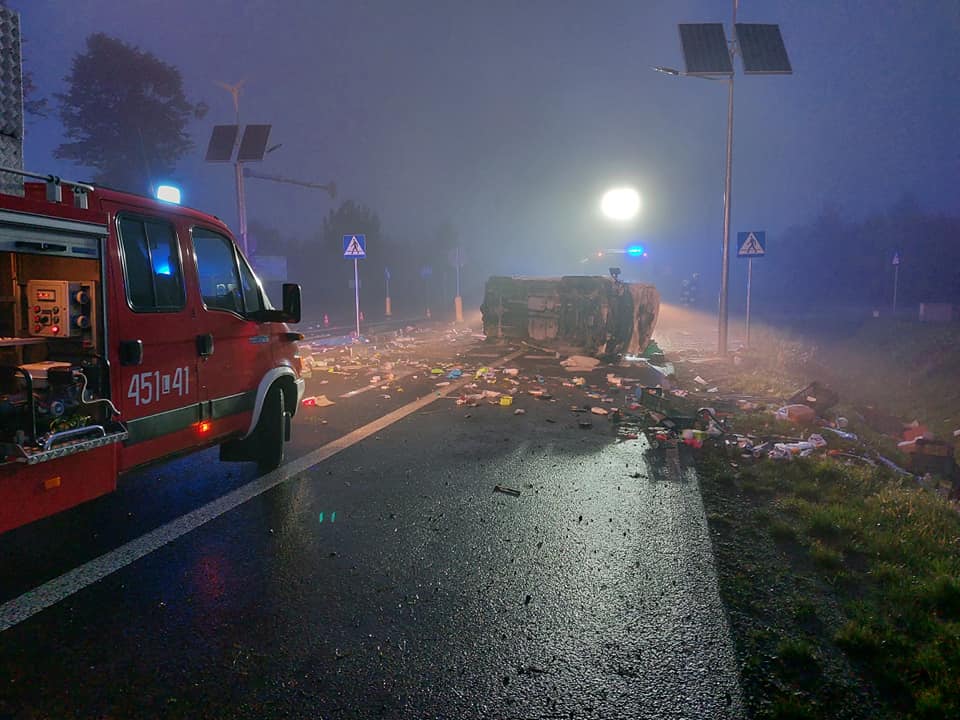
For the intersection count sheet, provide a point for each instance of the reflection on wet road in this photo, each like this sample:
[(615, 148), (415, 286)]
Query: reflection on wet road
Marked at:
[(589, 594)]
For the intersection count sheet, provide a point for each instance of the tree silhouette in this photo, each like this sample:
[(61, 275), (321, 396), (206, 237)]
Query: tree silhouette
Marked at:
[(834, 261), (126, 114)]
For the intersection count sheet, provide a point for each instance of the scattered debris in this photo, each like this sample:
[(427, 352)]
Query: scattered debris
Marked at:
[(799, 414), (840, 433), (506, 490), (915, 430), (580, 363), (815, 395)]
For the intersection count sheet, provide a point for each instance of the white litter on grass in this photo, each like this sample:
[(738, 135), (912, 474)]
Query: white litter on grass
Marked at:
[(700, 380)]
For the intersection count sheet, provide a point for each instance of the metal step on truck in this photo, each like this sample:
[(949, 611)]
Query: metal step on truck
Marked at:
[(132, 330)]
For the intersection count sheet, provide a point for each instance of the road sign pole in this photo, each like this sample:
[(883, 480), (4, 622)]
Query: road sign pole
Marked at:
[(356, 292), (749, 282), (896, 281)]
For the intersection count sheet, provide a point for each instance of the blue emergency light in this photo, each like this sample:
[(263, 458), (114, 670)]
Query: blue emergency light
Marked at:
[(636, 251), (168, 193)]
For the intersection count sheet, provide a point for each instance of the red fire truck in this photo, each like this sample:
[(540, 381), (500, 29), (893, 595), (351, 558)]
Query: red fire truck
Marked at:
[(132, 330)]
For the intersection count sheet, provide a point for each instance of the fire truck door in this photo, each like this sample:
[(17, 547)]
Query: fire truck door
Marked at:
[(153, 341), (240, 350)]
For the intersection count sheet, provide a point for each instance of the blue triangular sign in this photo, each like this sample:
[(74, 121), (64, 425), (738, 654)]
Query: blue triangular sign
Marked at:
[(751, 244), (353, 246)]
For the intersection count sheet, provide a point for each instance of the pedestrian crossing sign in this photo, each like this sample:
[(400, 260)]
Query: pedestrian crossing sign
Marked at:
[(354, 246), (752, 244)]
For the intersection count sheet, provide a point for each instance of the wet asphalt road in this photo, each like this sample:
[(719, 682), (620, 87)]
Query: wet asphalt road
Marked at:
[(427, 595)]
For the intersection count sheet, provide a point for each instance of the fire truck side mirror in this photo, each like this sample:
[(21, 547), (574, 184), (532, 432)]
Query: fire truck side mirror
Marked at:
[(291, 302)]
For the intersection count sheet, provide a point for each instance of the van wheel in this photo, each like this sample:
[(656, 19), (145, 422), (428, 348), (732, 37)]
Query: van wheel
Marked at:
[(271, 431)]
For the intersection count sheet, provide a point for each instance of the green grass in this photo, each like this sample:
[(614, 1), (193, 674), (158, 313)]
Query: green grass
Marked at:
[(852, 587), (842, 579)]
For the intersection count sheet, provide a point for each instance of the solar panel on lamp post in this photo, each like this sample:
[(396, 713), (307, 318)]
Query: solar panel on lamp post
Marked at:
[(708, 55), (252, 147)]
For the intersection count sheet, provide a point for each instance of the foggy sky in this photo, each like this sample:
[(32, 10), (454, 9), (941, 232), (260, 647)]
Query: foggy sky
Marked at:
[(508, 119)]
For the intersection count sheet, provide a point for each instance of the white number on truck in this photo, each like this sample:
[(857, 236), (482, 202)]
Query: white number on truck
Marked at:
[(147, 387)]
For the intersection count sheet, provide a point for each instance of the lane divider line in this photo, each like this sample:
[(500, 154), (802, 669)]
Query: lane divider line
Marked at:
[(376, 386), (43, 596)]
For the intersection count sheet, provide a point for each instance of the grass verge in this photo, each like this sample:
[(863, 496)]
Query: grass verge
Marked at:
[(842, 582), (842, 588)]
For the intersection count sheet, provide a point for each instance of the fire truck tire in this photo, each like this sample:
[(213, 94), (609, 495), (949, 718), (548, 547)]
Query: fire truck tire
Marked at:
[(271, 431)]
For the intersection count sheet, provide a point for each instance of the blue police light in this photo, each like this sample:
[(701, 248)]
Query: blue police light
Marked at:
[(168, 193), (636, 251)]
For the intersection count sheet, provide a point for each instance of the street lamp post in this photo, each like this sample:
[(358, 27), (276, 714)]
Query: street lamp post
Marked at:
[(709, 55), (723, 309), (727, 197), (234, 91)]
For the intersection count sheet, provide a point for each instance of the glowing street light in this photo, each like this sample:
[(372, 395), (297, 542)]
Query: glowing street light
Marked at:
[(621, 203)]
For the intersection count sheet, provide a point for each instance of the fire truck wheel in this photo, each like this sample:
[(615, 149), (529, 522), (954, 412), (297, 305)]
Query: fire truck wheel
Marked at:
[(271, 431)]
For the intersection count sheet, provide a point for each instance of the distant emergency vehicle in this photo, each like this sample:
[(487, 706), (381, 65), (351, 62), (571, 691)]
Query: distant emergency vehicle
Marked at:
[(132, 330)]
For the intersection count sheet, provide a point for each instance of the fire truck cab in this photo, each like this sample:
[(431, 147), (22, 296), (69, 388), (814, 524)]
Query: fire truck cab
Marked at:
[(132, 330)]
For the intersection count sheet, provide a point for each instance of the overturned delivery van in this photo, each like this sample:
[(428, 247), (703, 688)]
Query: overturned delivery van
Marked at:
[(600, 316)]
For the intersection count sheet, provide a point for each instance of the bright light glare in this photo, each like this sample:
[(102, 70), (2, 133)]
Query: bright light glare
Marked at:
[(636, 251), (168, 193), (620, 203)]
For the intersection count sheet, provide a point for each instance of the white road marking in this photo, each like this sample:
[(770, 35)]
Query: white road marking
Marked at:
[(50, 593), (375, 386)]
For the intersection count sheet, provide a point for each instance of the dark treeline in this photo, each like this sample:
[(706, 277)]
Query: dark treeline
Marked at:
[(422, 273), (833, 261)]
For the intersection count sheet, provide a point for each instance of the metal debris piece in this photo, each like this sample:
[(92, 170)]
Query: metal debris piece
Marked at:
[(506, 490)]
